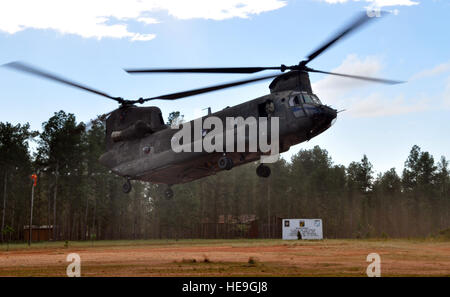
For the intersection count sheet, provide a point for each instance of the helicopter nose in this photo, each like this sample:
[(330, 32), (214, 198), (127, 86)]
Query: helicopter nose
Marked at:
[(322, 119), (329, 113)]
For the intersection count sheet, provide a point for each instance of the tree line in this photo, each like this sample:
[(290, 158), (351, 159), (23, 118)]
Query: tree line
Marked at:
[(84, 200)]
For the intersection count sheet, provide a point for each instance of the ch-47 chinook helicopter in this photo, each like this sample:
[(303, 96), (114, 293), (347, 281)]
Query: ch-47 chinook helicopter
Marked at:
[(138, 142)]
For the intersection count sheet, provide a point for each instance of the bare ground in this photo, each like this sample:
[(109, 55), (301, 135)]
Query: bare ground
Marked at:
[(231, 258)]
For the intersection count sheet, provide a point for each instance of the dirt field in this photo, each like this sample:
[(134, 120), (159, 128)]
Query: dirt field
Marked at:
[(229, 258)]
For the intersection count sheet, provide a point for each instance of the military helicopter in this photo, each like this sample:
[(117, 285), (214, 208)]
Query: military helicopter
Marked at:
[(138, 142)]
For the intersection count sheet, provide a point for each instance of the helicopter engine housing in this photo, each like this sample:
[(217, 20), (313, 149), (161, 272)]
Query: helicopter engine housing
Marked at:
[(131, 122)]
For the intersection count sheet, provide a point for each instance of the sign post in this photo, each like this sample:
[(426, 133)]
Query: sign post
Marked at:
[(34, 178)]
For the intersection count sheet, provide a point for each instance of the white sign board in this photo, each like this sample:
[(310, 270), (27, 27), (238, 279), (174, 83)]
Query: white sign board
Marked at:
[(308, 228)]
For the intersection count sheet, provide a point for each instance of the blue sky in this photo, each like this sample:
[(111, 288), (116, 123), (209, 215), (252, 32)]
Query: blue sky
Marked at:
[(91, 41)]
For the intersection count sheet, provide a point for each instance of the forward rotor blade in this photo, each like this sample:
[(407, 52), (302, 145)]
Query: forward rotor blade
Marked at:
[(357, 23), (202, 70), (210, 89), (32, 70), (372, 79)]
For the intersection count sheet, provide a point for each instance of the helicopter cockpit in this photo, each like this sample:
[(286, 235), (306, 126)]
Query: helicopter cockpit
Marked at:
[(303, 103), (310, 98), (299, 98)]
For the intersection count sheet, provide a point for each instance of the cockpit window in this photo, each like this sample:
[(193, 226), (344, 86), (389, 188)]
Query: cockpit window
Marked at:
[(316, 99), (307, 98)]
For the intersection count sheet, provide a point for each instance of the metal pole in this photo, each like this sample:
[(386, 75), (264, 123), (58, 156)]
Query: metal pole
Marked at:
[(54, 202), (4, 204), (31, 214), (268, 210)]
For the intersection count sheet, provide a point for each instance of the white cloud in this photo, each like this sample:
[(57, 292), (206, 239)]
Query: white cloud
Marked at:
[(436, 71), (379, 3), (439, 69), (218, 9), (142, 37), (332, 88), (377, 105), (93, 18), (148, 21), (340, 91)]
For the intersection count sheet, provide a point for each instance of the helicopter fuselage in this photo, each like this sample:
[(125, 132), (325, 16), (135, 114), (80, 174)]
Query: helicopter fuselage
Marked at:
[(151, 158)]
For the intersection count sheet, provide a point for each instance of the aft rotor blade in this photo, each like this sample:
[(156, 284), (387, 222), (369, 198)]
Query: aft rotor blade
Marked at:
[(32, 70), (202, 70), (372, 79), (179, 95), (357, 23)]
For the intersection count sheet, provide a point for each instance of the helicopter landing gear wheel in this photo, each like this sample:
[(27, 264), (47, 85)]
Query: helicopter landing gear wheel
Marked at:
[(126, 187), (168, 193), (263, 171), (225, 163)]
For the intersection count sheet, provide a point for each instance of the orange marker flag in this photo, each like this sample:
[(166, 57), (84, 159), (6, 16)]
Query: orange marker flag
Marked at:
[(34, 178)]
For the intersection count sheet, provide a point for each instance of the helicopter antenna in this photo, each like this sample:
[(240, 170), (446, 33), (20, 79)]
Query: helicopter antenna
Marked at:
[(209, 110)]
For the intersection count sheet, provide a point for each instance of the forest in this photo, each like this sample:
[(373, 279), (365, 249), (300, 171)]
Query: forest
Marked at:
[(84, 201)]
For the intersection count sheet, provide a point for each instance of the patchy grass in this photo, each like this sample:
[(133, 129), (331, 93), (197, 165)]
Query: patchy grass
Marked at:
[(138, 243), (207, 242)]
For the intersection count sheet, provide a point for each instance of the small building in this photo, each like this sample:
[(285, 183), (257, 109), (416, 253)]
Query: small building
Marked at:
[(227, 226), (242, 226), (38, 233), (266, 227)]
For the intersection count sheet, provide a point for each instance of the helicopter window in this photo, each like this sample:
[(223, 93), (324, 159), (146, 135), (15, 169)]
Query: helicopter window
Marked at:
[(316, 99), (293, 101), (308, 99)]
